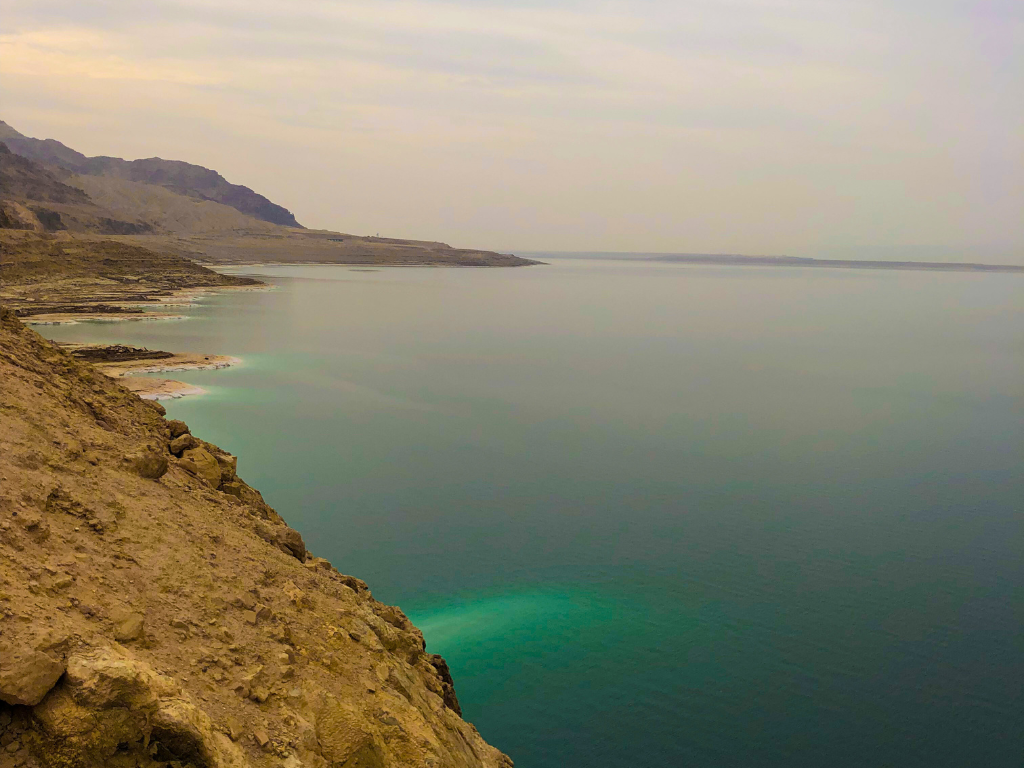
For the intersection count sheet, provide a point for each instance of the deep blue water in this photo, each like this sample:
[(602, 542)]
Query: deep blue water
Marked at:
[(656, 514)]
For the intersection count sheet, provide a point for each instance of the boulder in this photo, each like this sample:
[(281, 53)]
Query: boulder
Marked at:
[(184, 732), (178, 428), (183, 443), (290, 541), (234, 488), (201, 463), (148, 463), (130, 628), (228, 466), (26, 676)]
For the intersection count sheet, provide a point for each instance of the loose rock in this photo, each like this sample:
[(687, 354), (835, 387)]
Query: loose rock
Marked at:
[(234, 728), (228, 466), (26, 676), (201, 463), (129, 628), (290, 542), (178, 428), (182, 443), (148, 464)]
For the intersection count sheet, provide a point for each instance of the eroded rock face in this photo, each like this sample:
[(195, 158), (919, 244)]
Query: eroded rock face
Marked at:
[(26, 675), (447, 684), (110, 704), (342, 740)]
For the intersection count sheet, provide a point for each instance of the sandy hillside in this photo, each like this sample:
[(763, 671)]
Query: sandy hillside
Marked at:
[(154, 611)]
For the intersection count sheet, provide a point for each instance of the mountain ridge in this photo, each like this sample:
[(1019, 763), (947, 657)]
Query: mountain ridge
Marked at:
[(182, 177), (51, 187)]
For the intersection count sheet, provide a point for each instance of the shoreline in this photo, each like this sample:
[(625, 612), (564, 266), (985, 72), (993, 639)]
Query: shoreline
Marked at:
[(180, 298), (127, 364), (217, 266), (160, 389), (184, 361), (74, 318), (129, 372)]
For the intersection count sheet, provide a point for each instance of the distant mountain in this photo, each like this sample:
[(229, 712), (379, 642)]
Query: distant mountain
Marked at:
[(193, 181), (33, 198), (184, 209), (24, 179)]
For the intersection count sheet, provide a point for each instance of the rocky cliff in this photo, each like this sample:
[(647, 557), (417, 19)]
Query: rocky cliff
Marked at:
[(155, 611)]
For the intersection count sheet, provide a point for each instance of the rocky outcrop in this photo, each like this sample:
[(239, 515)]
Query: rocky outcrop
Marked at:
[(176, 620), (111, 709)]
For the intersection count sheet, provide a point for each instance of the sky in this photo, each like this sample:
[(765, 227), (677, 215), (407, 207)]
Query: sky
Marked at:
[(800, 127)]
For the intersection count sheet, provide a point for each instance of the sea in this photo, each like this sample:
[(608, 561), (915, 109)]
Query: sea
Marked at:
[(655, 514)]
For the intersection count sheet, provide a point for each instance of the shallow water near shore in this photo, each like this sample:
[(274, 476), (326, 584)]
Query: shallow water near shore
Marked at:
[(655, 514)]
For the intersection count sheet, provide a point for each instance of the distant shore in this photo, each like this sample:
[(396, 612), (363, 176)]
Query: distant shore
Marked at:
[(738, 260)]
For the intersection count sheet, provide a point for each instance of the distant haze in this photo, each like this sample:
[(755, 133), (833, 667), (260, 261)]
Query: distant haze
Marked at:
[(846, 128)]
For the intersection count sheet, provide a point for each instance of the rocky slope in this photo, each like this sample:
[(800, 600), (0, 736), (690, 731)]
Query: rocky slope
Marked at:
[(32, 197), (183, 178), (44, 275), (154, 611)]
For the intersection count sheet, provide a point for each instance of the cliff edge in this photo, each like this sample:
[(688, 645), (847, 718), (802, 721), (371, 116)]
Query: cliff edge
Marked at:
[(155, 611)]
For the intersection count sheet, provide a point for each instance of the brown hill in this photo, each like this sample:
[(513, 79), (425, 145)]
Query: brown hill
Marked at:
[(187, 179), (156, 613)]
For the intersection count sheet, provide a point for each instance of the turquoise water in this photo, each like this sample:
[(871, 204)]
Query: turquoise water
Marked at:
[(656, 514)]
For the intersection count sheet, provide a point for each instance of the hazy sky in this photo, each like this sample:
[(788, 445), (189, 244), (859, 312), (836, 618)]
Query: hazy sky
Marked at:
[(757, 126)]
